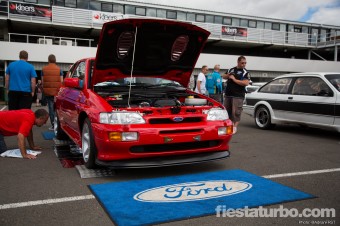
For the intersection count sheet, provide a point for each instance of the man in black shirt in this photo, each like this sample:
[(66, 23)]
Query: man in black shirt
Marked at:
[(238, 78)]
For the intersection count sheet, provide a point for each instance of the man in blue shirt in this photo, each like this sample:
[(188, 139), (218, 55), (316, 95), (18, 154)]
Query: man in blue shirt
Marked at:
[(214, 84), (20, 83)]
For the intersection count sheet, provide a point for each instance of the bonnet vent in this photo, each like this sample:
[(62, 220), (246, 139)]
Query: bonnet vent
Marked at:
[(179, 47)]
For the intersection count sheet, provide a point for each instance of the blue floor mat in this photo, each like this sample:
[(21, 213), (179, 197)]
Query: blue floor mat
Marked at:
[(159, 200), (48, 135)]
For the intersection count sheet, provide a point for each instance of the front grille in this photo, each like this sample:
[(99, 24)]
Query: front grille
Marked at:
[(174, 147), (181, 131), (170, 121)]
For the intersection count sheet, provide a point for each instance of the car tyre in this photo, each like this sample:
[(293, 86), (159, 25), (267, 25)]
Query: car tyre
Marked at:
[(88, 146), (263, 118), (58, 131)]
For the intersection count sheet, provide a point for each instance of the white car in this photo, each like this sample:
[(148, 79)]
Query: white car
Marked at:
[(308, 99)]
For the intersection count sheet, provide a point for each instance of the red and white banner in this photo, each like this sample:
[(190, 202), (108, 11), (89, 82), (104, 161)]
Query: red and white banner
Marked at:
[(29, 9), (103, 17), (234, 31)]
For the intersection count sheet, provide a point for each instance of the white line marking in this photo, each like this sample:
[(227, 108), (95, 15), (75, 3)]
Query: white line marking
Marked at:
[(3, 108), (44, 202), (302, 173), (87, 197)]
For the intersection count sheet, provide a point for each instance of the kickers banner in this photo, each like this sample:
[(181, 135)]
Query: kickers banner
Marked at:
[(234, 31), (102, 17), (29, 9)]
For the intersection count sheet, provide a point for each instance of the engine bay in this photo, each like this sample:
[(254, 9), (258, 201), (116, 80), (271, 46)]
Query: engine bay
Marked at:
[(153, 98)]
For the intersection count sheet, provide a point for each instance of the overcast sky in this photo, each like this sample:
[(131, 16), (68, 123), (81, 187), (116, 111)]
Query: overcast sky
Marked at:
[(316, 11)]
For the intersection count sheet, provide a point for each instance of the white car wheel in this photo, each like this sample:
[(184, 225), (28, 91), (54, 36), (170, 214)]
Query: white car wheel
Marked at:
[(263, 118)]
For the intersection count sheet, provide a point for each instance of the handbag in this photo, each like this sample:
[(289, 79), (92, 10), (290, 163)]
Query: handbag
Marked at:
[(43, 101)]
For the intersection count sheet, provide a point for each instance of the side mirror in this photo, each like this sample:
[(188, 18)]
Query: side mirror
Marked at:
[(73, 83)]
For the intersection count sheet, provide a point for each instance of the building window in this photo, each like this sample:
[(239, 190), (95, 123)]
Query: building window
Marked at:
[(31, 1), (151, 12), (314, 35), (191, 16), (227, 21), (332, 34), (276, 26), (305, 30), (71, 3), (118, 8), (161, 13), (323, 35), (181, 15), (235, 22), (243, 23), (283, 27), (107, 7), (95, 6), (209, 18), (129, 9), (291, 28), (297, 29), (268, 25), (171, 15), (200, 18), (59, 2), (218, 20), (252, 23), (83, 4), (140, 11), (260, 24), (44, 2)]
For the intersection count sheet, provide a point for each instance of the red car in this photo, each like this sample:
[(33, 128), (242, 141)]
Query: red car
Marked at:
[(129, 107)]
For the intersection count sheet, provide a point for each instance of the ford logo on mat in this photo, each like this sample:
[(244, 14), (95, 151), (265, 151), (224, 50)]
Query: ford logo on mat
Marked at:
[(177, 119), (193, 191)]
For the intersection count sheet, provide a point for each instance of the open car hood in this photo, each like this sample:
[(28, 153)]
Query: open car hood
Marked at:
[(163, 49)]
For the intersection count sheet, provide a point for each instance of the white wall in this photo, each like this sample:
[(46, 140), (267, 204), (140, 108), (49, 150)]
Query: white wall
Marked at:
[(39, 53), (70, 54), (269, 64)]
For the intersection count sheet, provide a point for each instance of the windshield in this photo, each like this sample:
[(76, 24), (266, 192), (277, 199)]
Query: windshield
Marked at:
[(334, 80), (140, 81)]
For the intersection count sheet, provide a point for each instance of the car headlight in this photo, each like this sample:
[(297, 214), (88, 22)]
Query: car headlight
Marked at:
[(215, 114), (121, 118)]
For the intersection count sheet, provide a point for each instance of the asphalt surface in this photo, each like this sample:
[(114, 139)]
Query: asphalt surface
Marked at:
[(286, 149)]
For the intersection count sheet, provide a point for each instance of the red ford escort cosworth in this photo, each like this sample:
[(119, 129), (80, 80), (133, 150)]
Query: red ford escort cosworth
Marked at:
[(129, 107)]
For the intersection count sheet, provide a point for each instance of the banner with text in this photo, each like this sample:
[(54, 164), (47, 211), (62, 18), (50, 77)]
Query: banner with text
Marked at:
[(103, 17), (29, 9), (234, 31)]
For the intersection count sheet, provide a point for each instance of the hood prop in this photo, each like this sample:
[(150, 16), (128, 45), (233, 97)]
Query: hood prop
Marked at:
[(132, 63)]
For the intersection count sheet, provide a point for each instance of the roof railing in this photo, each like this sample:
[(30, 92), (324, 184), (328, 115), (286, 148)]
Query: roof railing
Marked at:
[(50, 40)]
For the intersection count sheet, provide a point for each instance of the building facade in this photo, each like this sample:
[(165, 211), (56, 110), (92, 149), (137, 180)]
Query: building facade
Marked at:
[(70, 30)]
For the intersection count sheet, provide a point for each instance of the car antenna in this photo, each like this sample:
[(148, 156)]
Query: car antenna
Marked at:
[(133, 61)]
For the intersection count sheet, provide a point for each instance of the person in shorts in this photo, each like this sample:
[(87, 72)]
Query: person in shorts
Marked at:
[(238, 78)]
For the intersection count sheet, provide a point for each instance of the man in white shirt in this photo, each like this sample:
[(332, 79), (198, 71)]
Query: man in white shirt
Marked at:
[(201, 80)]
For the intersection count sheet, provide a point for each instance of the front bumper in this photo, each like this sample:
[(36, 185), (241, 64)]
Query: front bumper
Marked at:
[(160, 141), (166, 160)]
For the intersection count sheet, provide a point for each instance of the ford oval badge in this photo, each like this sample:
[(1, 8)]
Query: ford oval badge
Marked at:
[(193, 191), (177, 119)]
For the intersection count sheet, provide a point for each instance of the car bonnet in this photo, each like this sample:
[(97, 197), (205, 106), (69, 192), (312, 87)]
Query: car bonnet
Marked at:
[(148, 47)]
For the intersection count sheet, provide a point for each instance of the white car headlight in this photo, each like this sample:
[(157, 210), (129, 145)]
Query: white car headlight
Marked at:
[(121, 118), (215, 114)]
